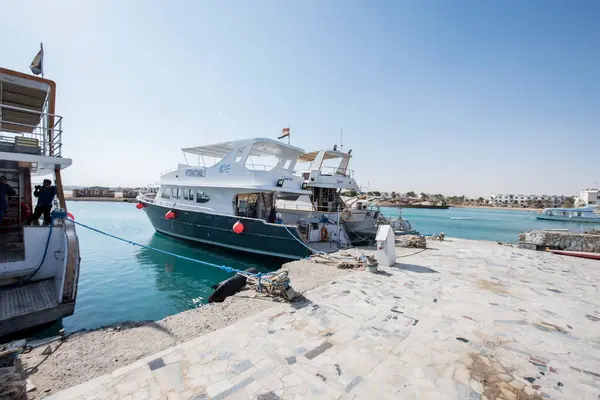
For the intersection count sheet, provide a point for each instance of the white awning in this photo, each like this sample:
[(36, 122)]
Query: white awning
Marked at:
[(16, 95), (260, 147)]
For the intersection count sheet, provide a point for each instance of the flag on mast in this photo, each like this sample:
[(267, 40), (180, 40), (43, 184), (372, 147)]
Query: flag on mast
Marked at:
[(37, 65), (285, 132)]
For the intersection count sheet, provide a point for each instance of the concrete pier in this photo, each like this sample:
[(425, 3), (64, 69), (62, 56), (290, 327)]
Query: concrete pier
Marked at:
[(461, 320)]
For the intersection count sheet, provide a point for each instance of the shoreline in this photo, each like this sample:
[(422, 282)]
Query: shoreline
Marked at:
[(102, 199), (502, 208), (88, 354)]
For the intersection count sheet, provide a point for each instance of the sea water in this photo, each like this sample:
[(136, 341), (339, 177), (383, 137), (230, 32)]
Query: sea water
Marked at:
[(502, 225), (120, 282)]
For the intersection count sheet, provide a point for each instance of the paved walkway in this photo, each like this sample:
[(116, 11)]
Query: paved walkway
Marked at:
[(466, 320)]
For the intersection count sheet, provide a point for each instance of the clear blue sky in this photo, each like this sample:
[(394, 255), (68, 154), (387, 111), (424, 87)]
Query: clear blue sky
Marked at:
[(454, 97)]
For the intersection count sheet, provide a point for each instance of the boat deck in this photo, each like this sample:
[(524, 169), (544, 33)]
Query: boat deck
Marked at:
[(26, 299), (11, 243), (30, 305), (11, 253)]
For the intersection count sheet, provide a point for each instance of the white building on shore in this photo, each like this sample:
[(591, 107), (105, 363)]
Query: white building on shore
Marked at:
[(526, 200), (587, 197)]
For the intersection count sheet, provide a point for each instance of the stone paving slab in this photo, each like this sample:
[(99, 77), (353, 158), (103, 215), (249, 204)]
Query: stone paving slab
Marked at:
[(464, 320)]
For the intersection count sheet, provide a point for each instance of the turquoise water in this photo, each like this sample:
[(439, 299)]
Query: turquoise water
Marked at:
[(119, 282), (480, 223)]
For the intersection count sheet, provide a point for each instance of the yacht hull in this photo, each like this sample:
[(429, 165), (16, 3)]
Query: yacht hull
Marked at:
[(566, 218), (258, 236)]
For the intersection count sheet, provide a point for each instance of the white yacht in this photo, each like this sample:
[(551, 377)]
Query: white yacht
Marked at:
[(39, 265), (231, 202), (578, 214)]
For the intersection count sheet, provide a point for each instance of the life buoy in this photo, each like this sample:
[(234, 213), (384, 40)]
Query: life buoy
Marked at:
[(324, 234)]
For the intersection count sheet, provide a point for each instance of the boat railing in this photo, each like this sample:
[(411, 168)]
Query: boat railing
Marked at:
[(19, 135), (310, 207)]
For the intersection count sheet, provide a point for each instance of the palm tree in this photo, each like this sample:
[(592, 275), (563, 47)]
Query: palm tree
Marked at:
[(569, 203)]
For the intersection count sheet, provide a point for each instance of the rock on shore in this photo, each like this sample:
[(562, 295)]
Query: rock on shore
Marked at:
[(564, 240)]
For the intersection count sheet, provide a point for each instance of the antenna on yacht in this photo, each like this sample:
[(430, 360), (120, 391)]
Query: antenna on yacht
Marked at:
[(341, 138)]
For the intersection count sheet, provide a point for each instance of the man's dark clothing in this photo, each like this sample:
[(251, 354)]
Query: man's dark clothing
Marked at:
[(45, 197), (5, 190), (39, 210)]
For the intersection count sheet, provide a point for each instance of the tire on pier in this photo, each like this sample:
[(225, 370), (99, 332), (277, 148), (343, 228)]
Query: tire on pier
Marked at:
[(229, 287)]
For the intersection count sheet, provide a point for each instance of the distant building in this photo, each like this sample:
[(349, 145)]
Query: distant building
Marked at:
[(94, 192), (129, 193), (526, 200), (587, 197)]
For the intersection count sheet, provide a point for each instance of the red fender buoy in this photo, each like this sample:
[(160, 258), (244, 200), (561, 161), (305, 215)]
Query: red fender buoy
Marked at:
[(139, 206), (238, 227), (70, 216), (170, 215)]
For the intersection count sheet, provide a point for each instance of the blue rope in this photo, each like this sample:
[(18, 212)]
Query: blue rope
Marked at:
[(221, 267), (28, 278), (45, 251)]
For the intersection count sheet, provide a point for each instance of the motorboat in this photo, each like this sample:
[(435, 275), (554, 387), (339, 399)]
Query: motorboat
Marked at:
[(39, 264), (578, 214), (228, 198)]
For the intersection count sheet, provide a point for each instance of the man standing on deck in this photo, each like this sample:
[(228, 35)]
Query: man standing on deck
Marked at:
[(45, 195), (5, 190)]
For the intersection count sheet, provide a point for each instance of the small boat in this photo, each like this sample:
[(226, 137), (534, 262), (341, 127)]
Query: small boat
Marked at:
[(581, 254), (579, 214)]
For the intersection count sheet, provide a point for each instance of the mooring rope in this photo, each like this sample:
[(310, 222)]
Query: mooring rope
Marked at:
[(260, 276)]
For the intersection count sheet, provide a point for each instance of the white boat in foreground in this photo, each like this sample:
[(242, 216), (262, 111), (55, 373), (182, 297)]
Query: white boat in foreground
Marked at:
[(39, 264)]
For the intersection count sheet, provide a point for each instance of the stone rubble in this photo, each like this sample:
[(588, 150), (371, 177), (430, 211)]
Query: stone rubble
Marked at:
[(563, 240)]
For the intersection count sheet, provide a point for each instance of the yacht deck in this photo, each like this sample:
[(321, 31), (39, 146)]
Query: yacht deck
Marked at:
[(34, 301)]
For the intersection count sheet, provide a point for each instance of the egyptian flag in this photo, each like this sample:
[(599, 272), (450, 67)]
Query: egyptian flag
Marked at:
[(37, 65), (284, 133)]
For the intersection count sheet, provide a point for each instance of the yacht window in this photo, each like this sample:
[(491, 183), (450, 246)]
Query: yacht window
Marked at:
[(238, 156), (186, 194), (174, 193), (201, 197), (166, 193)]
